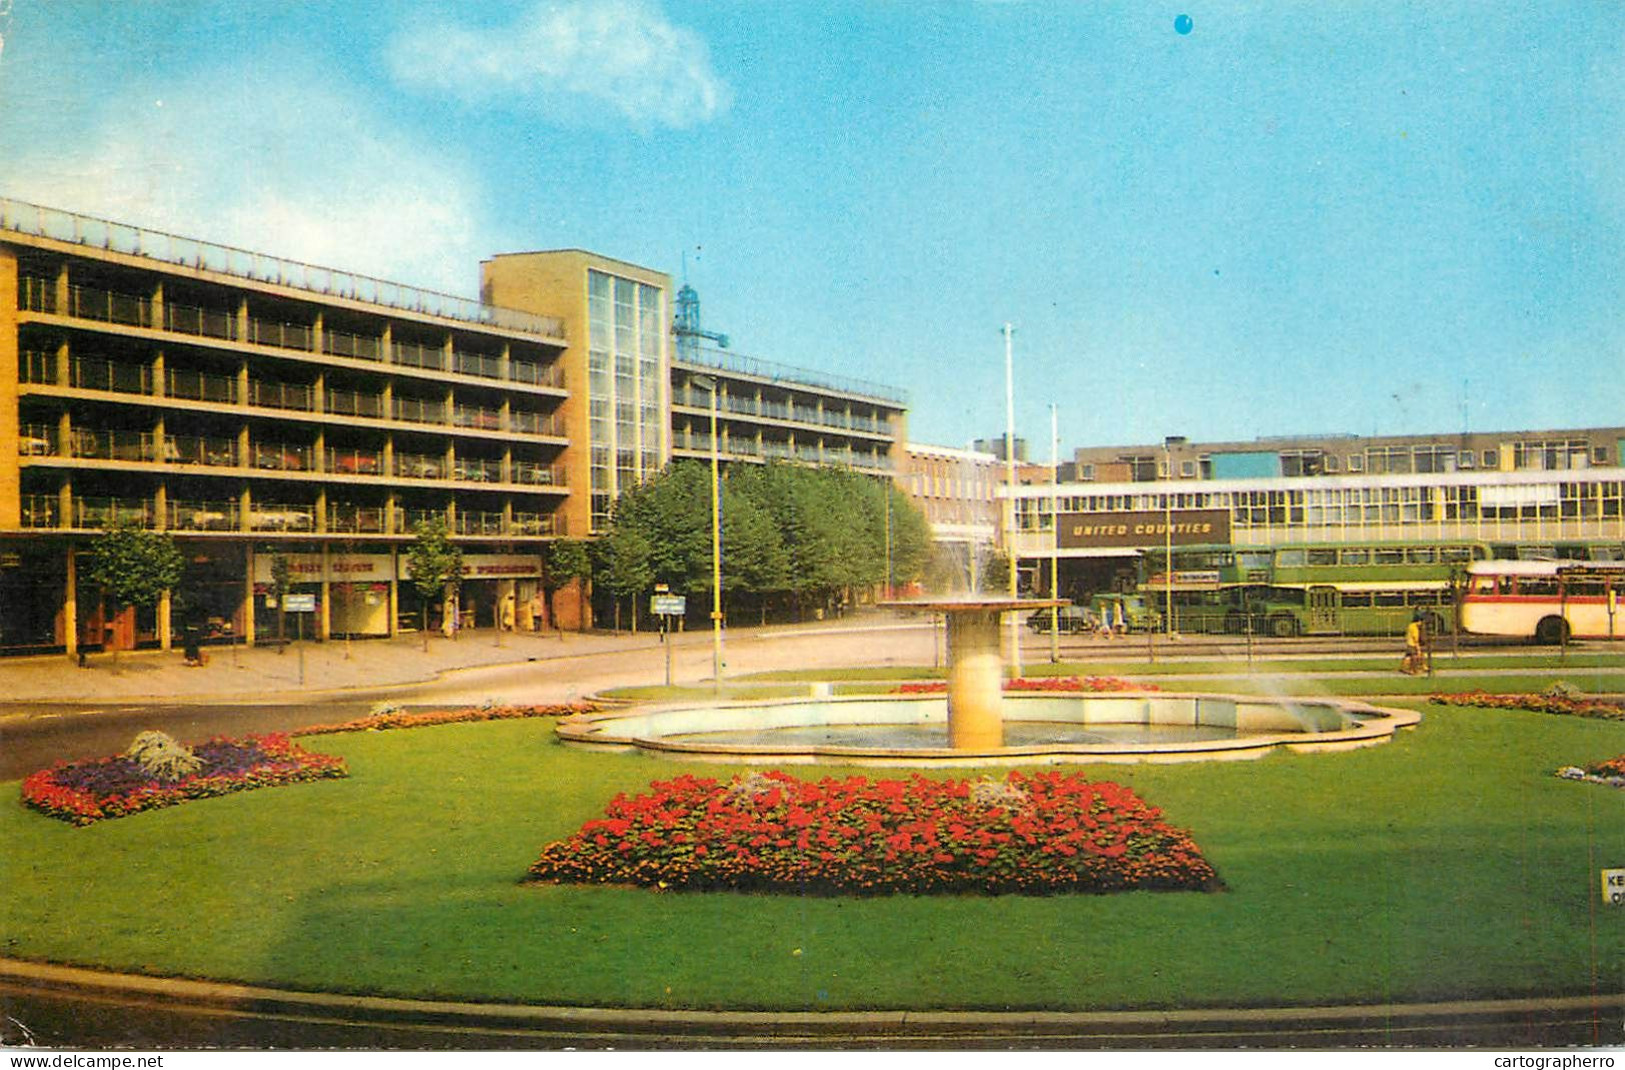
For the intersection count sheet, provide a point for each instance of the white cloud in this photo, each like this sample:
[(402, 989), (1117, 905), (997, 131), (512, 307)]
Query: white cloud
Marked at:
[(561, 58), (275, 159)]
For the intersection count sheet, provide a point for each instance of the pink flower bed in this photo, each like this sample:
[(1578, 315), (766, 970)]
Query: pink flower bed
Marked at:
[(379, 722), (1042, 683), (86, 792), (1573, 705), (1028, 834)]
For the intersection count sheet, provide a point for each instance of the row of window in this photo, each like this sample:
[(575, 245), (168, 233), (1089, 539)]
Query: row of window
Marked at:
[(1539, 455), (90, 512), (1337, 506)]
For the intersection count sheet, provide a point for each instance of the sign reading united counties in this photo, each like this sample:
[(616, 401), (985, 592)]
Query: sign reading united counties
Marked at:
[(1189, 527)]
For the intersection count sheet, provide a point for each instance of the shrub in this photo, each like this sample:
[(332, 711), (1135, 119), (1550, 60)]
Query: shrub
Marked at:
[(162, 757), (1030, 834)]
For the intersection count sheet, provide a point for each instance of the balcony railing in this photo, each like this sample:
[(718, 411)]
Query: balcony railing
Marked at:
[(206, 322), (532, 524), (420, 466), (40, 510), (476, 417), (105, 512), (36, 440), (118, 378), (413, 355), (355, 346), (128, 310), (355, 462), (114, 445), (281, 457), (212, 452), (200, 386), (478, 523), (477, 364), (523, 422), (35, 366), (36, 294), (269, 516), (354, 403), (529, 472), (203, 516), (534, 374), (477, 471), (407, 520), (58, 225), (416, 410), (355, 519), (300, 397), (282, 335)]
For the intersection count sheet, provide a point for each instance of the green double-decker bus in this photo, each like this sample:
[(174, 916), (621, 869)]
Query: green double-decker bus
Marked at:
[(1314, 589)]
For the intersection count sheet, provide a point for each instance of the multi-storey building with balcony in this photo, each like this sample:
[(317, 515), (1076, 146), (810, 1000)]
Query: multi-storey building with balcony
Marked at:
[(253, 406), (766, 412)]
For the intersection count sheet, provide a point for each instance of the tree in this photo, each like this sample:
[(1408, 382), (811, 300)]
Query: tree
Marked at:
[(567, 561), (436, 564), (623, 568), (281, 584), (135, 566)]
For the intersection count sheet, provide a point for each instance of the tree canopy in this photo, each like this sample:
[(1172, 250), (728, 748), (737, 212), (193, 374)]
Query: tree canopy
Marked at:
[(135, 566), (804, 535)]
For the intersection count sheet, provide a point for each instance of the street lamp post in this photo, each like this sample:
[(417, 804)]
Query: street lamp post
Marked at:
[(706, 383), (1010, 502)]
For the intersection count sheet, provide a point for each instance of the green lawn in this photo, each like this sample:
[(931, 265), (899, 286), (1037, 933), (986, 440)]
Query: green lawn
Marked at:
[(1448, 863)]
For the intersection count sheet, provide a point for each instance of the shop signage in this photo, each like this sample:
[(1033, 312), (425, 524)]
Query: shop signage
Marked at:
[(490, 566), (299, 603), (1184, 527), (341, 568), (1613, 887)]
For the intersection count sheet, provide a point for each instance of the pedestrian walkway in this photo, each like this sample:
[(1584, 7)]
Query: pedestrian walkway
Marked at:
[(300, 668)]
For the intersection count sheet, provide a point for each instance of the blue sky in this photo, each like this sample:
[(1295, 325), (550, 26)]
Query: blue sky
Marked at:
[(1365, 217)]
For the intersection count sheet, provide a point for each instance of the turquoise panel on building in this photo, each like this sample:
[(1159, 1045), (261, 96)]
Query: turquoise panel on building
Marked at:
[(1246, 465)]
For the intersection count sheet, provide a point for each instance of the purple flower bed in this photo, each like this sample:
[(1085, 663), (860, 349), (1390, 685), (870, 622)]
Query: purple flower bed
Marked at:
[(85, 792)]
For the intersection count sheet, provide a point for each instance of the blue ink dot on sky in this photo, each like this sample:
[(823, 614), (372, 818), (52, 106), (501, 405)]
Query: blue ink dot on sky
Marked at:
[(1183, 24)]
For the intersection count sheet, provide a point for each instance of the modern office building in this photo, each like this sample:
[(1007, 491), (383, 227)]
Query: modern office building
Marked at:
[(767, 411), (955, 490), (1510, 494), (256, 407), (617, 318)]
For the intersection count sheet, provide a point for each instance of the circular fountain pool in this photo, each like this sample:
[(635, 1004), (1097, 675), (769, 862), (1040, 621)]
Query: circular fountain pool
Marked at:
[(1038, 728)]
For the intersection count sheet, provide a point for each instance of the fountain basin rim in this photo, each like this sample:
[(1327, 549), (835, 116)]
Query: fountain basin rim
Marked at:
[(1364, 725)]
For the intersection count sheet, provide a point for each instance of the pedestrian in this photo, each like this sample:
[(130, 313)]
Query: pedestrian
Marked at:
[(536, 612), (507, 613), (1415, 637)]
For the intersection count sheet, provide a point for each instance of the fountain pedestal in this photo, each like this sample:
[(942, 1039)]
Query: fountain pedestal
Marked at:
[(975, 666)]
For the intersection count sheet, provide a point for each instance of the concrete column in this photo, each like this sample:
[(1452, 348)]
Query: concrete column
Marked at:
[(165, 607), (975, 675), (247, 630), (394, 584), (324, 611), (70, 604)]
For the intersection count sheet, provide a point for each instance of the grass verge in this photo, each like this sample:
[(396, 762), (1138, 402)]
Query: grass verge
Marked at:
[(1449, 863)]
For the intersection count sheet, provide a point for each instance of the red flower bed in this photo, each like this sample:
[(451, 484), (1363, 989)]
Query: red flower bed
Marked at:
[(1042, 683), (378, 722), (1610, 767), (1577, 706), (1029, 834), (86, 792)]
